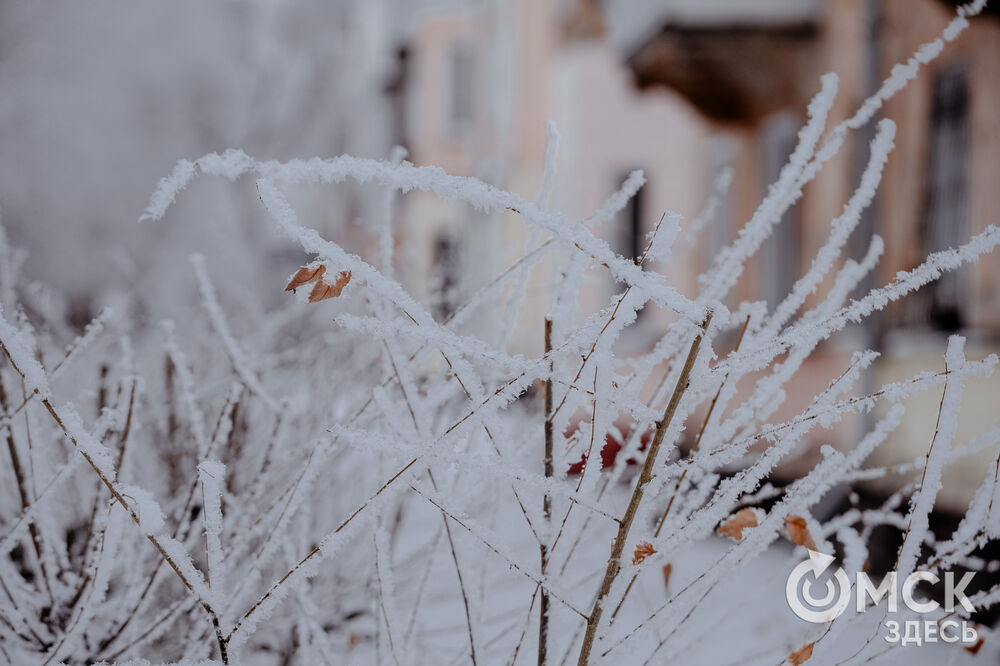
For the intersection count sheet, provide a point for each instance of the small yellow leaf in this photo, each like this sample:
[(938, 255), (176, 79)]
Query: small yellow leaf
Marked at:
[(741, 520), (798, 532), (304, 276), (323, 291), (801, 655), (643, 549)]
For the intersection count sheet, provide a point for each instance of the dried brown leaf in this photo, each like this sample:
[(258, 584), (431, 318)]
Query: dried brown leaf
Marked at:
[(304, 276), (323, 291), (798, 532), (643, 549), (667, 570), (801, 655), (975, 647), (739, 521)]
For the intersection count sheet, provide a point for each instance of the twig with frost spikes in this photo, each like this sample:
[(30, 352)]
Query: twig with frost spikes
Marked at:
[(717, 193), (232, 348), (299, 488), (127, 428), (93, 329), (930, 478), (543, 609), (824, 409), (407, 176), (223, 425), (614, 562), (461, 580), (583, 472), (551, 413), (896, 81), (177, 363), (697, 440), (501, 391), (122, 443), (611, 207), (112, 487), (421, 587), (181, 532), (922, 501), (22, 490), (381, 599), (212, 474), (683, 475), (406, 387), (524, 627), (759, 401), (97, 577), (511, 562), (614, 313), (486, 428), (316, 550), (516, 297), (806, 490)]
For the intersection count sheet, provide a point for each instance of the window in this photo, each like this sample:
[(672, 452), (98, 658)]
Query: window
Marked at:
[(396, 95), (944, 222), (860, 240), (445, 275), (461, 106), (718, 210), (628, 227)]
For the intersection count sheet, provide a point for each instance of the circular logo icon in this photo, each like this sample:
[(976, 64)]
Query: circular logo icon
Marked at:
[(808, 575)]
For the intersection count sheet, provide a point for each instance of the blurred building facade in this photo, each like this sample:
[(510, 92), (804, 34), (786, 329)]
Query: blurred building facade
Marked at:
[(683, 90), (754, 79)]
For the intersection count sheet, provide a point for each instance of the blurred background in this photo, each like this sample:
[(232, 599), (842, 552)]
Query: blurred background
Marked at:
[(100, 99)]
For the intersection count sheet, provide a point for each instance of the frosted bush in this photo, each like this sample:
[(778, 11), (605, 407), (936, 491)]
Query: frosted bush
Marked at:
[(380, 490)]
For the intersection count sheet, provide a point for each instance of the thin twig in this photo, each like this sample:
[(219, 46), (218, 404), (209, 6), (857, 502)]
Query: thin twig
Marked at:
[(680, 479), (512, 563), (381, 603), (444, 518), (614, 313), (22, 490), (614, 562), (543, 609), (524, 629)]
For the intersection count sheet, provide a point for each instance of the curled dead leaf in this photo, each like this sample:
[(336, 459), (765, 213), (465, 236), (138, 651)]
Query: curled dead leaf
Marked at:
[(738, 522), (801, 655), (667, 570), (304, 276), (798, 532), (643, 549), (323, 291)]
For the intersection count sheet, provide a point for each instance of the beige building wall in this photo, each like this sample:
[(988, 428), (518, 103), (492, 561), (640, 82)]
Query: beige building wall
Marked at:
[(607, 130)]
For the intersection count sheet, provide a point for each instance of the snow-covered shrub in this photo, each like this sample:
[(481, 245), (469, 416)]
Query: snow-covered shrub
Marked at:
[(383, 489)]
